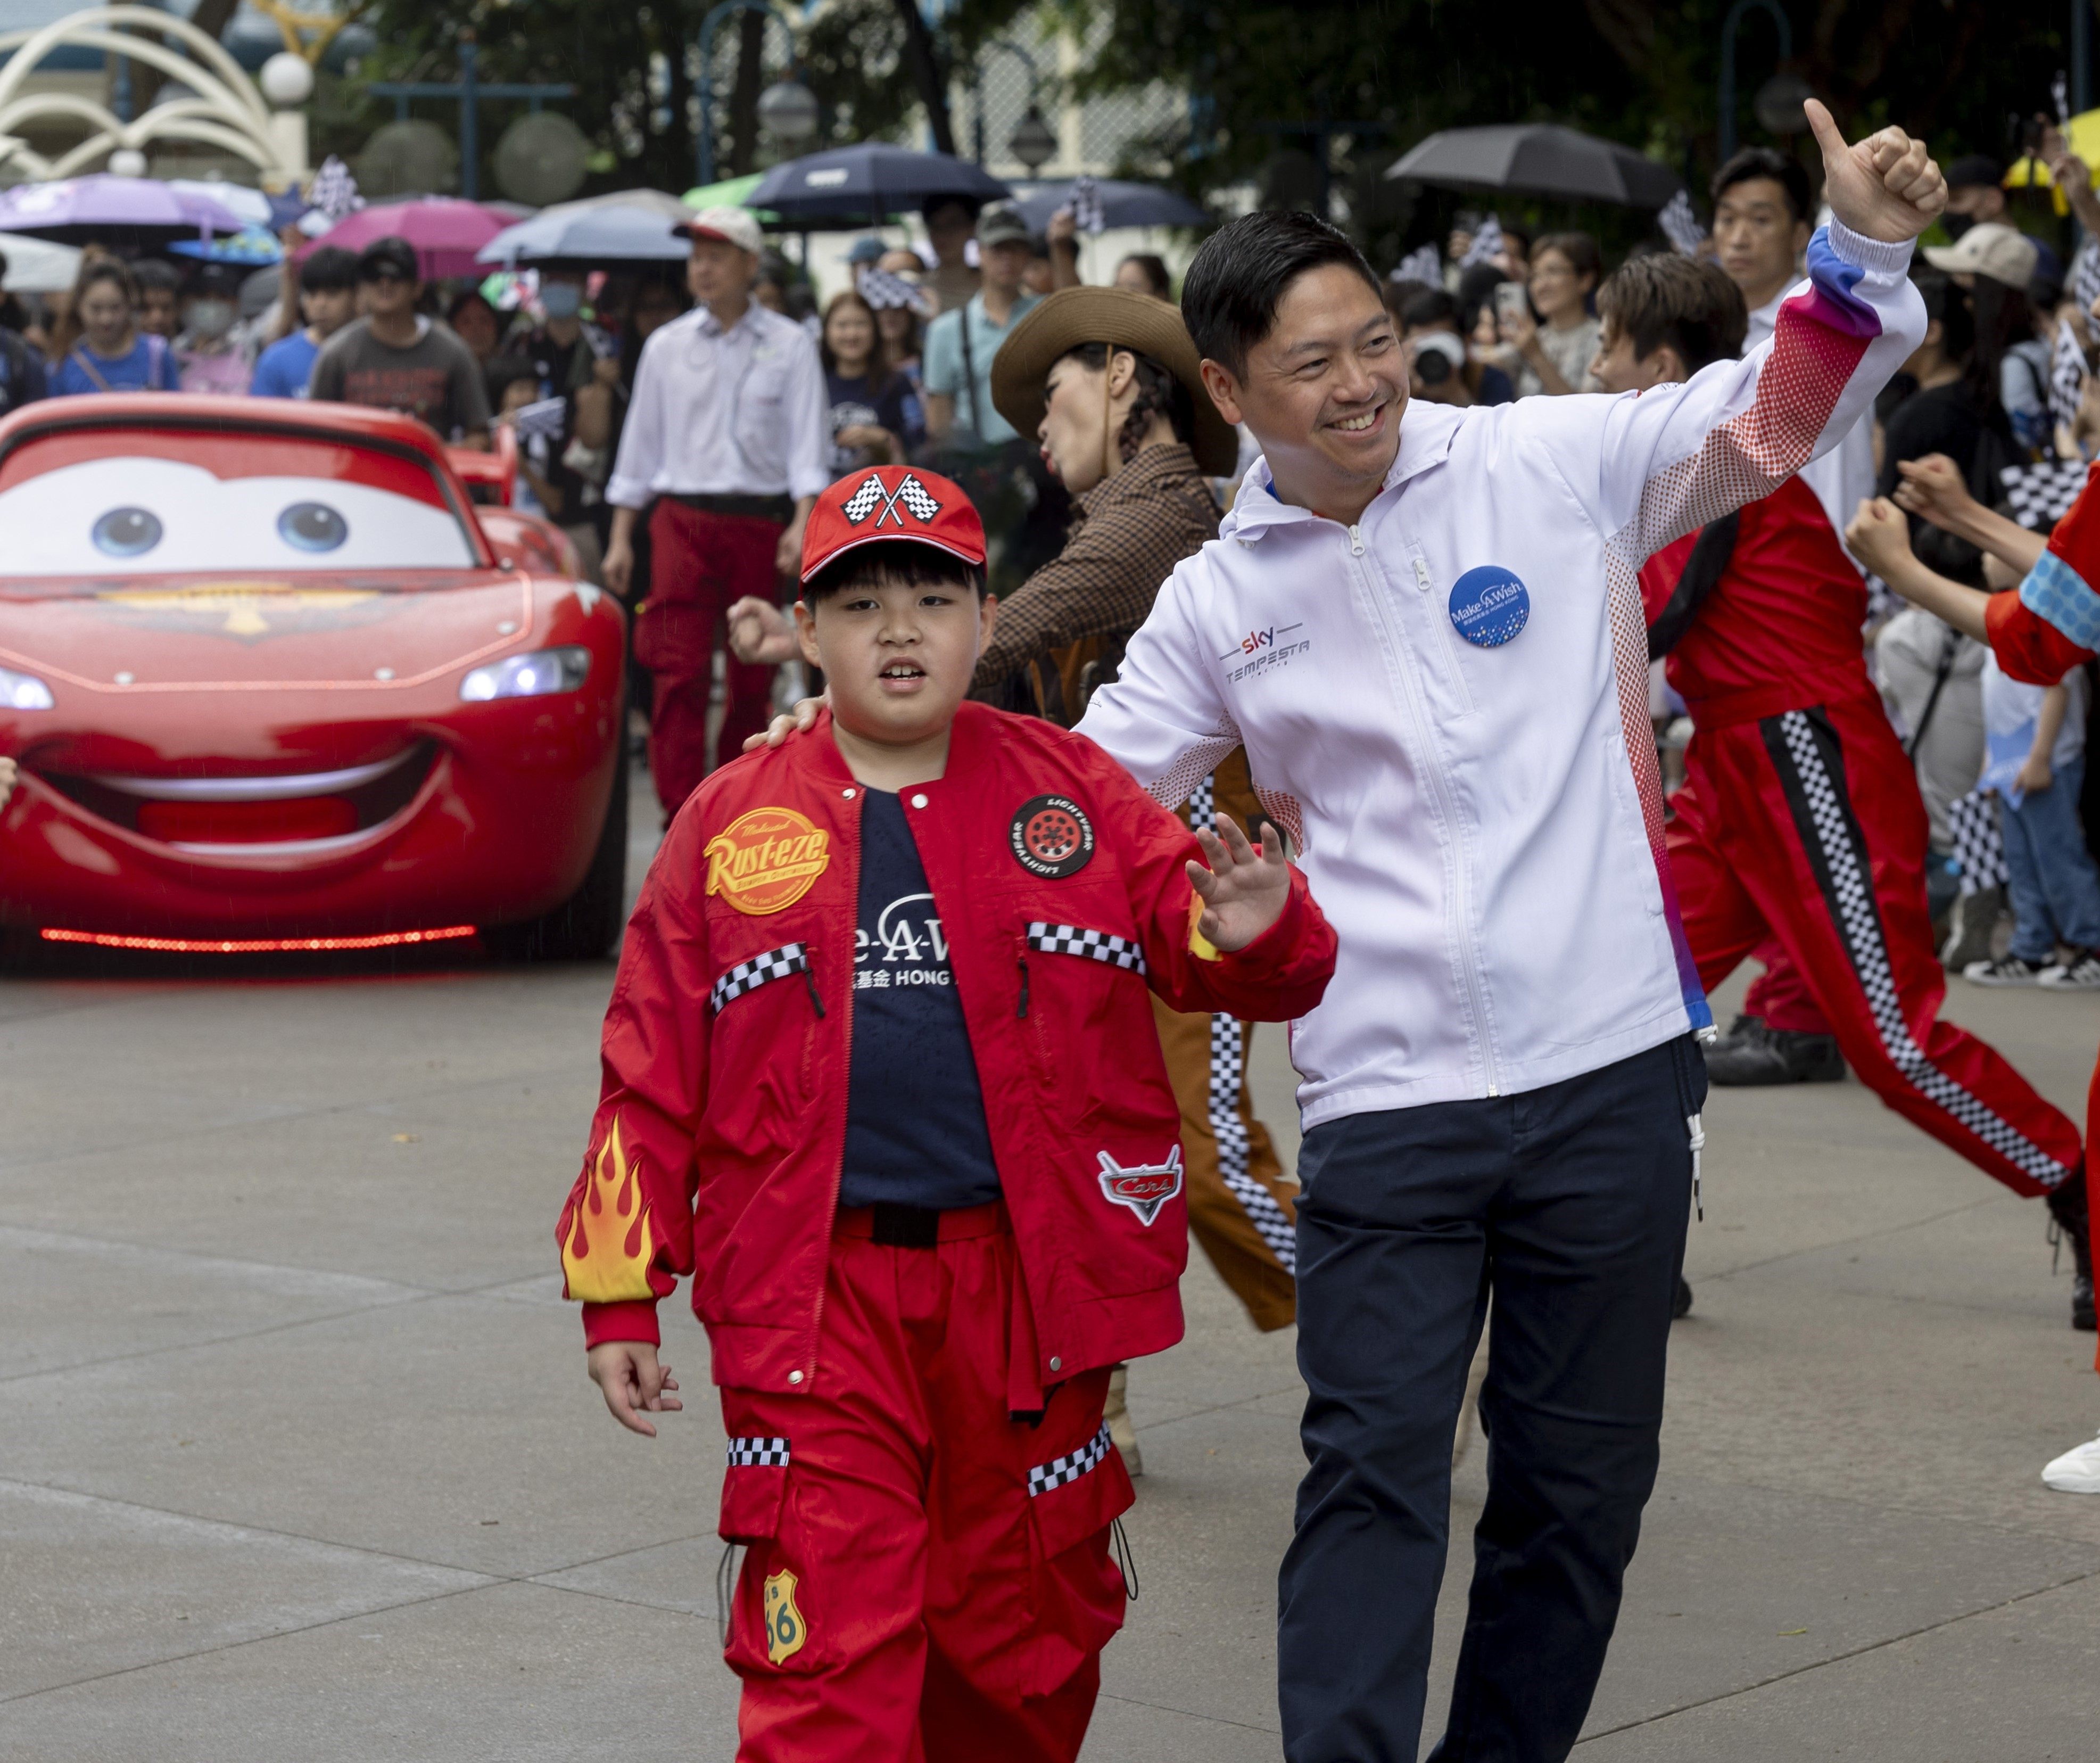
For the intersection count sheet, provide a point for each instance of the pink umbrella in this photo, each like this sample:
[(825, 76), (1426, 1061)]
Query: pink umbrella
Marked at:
[(445, 231)]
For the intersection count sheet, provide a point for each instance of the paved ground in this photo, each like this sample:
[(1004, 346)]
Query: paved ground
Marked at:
[(297, 1458)]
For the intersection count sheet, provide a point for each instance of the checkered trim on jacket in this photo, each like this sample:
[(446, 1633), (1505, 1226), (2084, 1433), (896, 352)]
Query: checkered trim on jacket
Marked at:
[(758, 1453), (1096, 945), (748, 976), (1068, 1468)]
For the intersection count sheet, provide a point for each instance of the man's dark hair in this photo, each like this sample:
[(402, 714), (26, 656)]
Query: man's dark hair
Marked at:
[(1681, 302), (152, 274), (934, 205), (896, 563), (330, 270), (1755, 162), (1432, 306), (389, 255), (1972, 170), (1231, 293)]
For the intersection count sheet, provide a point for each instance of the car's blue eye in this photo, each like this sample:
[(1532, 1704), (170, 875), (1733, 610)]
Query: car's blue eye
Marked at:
[(126, 533), (312, 526)]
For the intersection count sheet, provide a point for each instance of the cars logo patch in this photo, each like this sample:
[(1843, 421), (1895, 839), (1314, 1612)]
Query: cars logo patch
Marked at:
[(767, 859), (1144, 1187), (1052, 837)]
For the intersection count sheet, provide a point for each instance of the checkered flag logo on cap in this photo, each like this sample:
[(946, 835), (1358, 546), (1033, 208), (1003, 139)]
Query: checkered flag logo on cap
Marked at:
[(1088, 213), (1487, 243), (1979, 846), (1421, 264), (1680, 224), (2039, 496), (871, 498)]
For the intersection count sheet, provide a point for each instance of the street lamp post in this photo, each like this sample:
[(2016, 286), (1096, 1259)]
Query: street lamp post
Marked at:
[(1733, 24), (792, 118), (470, 89), (1034, 90)]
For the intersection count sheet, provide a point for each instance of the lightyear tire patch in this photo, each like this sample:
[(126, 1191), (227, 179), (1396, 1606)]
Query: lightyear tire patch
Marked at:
[(1052, 837)]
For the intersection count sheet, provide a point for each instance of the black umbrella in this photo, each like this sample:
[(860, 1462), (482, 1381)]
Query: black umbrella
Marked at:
[(1122, 205), (1537, 159), (851, 186)]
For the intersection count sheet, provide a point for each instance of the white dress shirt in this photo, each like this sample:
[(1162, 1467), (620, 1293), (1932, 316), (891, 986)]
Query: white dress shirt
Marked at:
[(740, 412), (1843, 477)]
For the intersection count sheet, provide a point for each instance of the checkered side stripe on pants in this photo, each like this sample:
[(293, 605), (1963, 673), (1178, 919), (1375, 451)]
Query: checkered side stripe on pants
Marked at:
[(1070, 1467), (1841, 848), (758, 1453), (1228, 1077), (1096, 945), (748, 976)]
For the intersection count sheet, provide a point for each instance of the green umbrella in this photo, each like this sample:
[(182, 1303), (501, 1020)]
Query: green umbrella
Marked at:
[(729, 193)]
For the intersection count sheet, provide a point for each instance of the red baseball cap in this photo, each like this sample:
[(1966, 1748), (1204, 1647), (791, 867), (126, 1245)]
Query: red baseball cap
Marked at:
[(888, 503)]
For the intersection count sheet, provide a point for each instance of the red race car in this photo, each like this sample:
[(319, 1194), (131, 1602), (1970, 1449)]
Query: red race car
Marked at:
[(275, 680)]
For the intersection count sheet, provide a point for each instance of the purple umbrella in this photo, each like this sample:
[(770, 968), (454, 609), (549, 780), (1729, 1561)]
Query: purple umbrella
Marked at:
[(112, 210)]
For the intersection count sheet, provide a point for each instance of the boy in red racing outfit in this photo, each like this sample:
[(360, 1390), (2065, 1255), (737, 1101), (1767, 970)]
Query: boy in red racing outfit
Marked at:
[(1800, 819), (880, 1072), (2040, 631)]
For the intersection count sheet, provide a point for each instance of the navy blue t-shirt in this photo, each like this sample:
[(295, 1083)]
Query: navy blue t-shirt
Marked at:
[(915, 1133)]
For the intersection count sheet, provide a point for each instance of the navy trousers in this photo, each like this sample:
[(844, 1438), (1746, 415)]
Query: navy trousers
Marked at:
[(1568, 1206)]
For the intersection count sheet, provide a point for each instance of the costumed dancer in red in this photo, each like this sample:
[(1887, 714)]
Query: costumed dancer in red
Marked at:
[(1800, 820), (881, 1075)]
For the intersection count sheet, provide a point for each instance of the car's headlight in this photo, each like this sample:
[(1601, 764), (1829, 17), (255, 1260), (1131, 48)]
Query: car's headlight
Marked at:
[(527, 676), (24, 692)]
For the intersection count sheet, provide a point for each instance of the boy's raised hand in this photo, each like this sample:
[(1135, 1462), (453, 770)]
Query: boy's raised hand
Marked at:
[(1933, 487), (1245, 890), (1885, 187), (628, 1374)]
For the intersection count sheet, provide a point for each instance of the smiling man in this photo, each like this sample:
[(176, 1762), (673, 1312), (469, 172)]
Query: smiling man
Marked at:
[(1428, 636)]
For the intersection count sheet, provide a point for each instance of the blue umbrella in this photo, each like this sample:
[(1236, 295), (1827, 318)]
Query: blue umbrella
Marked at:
[(619, 230), (851, 186), (252, 248), (1122, 205)]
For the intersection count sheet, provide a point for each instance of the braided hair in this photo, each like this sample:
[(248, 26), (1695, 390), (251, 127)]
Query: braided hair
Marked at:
[(1158, 391)]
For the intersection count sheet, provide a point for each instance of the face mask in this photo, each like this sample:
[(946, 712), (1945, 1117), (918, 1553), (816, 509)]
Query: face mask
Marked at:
[(560, 299), (1956, 224), (211, 318)]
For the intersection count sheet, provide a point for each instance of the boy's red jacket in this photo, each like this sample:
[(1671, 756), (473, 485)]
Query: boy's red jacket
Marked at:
[(717, 1144)]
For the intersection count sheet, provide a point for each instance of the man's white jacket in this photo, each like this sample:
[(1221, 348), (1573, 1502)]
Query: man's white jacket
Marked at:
[(1482, 821)]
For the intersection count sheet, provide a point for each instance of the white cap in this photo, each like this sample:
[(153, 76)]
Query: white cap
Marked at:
[(1988, 249), (733, 225)]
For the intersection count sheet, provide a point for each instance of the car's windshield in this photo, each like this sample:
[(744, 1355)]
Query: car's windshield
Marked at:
[(116, 505)]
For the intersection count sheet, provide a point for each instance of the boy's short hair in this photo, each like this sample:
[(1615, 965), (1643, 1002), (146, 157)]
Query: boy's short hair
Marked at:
[(151, 274), (1231, 293), (330, 269), (1753, 163), (1684, 302), (892, 563), (1430, 308), (390, 254)]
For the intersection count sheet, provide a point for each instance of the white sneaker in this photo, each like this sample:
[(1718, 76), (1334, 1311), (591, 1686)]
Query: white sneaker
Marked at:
[(2075, 1472), (2080, 973), (2007, 970)]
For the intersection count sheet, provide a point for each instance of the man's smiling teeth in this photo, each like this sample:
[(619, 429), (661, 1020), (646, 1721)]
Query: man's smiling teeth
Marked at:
[(1357, 423)]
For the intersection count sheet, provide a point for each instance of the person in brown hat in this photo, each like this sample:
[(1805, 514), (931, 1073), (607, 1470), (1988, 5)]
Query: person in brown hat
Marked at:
[(1108, 383)]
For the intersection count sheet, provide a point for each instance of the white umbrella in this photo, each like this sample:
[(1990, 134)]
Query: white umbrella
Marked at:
[(37, 266), (251, 206)]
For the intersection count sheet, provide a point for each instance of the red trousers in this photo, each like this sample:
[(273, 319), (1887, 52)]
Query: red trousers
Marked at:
[(699, 563), (1807, 828), (928, 1574)]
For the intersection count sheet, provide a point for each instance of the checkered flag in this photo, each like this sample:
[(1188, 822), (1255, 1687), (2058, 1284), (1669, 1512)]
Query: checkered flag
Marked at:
[(2039, 496), (1979, 848), (333, 191), (1422, 264), (915, 497), (1487, 244), (2066, 374), (1680, 224), (884, 290), (1089, 213), (544, 417), (2085, 273)]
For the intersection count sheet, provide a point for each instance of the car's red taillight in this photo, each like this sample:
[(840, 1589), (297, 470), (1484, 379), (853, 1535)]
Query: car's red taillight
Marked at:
[(247, 823)]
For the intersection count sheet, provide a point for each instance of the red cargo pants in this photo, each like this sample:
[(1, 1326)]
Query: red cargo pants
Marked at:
[(1807, 827), (927, 1576)]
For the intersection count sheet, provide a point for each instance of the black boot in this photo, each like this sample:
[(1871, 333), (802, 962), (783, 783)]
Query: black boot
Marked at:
[(2069, 1214), (1681, 1305), (1766, 1055)]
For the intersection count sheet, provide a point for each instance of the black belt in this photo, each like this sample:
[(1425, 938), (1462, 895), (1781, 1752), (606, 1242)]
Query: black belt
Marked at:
[(779, 509), (902, 1226)]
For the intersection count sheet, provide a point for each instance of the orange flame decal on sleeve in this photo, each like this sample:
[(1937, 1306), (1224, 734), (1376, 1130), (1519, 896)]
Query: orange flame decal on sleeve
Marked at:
[(610, 1240)]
